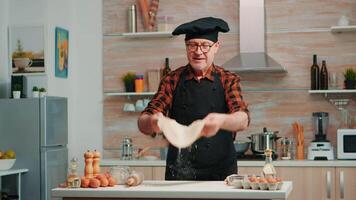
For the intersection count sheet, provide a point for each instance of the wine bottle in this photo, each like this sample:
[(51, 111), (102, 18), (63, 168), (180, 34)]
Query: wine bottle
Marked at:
[(314, 75), (166, 68), (324, 76)]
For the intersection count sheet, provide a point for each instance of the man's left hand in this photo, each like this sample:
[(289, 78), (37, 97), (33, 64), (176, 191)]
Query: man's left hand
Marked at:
[(213, 122)]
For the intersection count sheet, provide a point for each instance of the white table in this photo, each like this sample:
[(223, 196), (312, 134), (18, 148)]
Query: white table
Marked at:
[(171, 190), (16, 172)]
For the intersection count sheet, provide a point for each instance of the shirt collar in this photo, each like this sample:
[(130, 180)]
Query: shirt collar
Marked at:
[(208, 75)]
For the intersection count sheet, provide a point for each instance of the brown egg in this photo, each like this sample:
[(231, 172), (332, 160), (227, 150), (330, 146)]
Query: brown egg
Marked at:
[(252, 179), (108, 175), (278, 179), (100, 176), (104, 182), (271, 180), (94, 183), (112, 182), (84, 182), (263, 180)]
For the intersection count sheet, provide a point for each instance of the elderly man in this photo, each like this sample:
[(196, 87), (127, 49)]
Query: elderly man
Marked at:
[(200, 90)]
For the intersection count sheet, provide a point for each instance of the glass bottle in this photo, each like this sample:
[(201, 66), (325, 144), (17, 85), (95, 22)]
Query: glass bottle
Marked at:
[(314, 75), (324, 78), (73, 179), (166, 68), (268, 168)]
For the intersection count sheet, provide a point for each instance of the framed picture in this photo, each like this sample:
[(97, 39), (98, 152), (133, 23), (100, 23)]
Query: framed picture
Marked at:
[(26, 48), (61, 52)]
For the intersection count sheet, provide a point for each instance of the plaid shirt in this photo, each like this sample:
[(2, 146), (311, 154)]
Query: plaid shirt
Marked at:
[(162, 100)]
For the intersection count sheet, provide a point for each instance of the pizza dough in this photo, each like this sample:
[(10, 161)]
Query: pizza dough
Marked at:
[(179, 135)]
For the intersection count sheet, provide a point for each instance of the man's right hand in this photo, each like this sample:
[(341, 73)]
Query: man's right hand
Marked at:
[(154, 122), (148, 124)]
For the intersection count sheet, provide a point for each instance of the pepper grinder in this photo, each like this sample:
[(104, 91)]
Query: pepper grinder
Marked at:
[(88, 169), (96, 163)]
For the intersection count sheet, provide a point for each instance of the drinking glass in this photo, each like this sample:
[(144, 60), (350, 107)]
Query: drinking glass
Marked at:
[(333, 82)]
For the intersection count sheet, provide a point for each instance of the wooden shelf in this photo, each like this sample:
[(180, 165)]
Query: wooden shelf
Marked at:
[(143, 35), (343, 92), (331, 91), (127, 94), (29, 74), (341, 29)]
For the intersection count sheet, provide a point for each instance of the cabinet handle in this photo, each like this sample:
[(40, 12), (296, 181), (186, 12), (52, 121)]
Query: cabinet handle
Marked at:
[(328, 184), (342, 185)]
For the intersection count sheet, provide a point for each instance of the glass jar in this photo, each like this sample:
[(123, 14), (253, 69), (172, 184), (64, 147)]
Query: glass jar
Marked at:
[(164, 23), (120, 174), (287, 149), (73, 179), (127, 149)]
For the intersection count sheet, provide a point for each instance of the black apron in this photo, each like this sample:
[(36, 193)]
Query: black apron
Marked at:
[(211, 158)]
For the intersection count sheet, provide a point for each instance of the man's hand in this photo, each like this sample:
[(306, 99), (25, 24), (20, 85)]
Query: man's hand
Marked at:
[(148, 124), (154, 122), (213, 122)]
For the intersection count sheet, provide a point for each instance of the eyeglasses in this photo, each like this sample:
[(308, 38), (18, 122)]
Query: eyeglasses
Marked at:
[(205, 48)]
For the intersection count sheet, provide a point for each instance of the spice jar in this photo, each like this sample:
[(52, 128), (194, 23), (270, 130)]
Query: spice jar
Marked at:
[(287, 149), (164, 23), (73, 179), (139, 83)]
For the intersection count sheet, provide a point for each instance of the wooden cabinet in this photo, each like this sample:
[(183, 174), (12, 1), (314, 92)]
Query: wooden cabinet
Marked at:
[(345, 183), (309, 183), (306, 181), (158, 173)]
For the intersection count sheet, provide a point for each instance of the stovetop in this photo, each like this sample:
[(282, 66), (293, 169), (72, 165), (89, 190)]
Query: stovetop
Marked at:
[(254, 156)]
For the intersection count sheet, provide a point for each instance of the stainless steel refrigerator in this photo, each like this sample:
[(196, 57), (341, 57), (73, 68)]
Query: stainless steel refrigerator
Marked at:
[(37, 130)]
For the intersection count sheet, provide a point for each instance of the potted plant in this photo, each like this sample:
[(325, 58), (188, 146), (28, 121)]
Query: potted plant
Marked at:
[(42, 92), (350, 78), (21, 59), (16, 91), (35, 92), (129, 81)]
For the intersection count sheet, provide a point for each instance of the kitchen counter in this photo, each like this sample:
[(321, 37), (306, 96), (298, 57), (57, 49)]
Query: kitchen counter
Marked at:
[(172, 190), (277, 163)]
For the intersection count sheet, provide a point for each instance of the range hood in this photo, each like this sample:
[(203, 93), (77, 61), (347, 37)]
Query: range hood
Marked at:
[(253, 56)]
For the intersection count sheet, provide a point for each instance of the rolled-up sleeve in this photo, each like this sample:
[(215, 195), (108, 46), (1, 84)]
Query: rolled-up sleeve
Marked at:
[(162, 100), (233, 94)]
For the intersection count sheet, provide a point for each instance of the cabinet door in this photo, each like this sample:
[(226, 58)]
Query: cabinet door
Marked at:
[(309, 183), (345, 183), (249, 170), (158, 173)]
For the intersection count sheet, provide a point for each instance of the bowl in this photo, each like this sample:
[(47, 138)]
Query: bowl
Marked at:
[(234, 180), (6, 164), (241, 147)]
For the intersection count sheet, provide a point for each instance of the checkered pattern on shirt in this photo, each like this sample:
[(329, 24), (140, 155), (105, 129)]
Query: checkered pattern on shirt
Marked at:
[(162, 100)]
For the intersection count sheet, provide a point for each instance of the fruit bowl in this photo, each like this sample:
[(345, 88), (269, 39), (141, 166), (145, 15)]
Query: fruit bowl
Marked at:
[(6, 164)]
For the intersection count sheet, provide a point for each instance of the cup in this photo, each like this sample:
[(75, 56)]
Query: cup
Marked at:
[(129, 107), (139, 105), (343, 21), (146, 102), (22, 63), (333, 80)]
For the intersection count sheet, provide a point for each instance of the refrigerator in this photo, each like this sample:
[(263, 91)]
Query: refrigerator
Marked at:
[(37, 130)]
